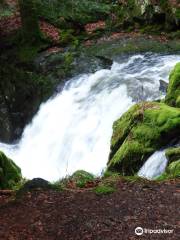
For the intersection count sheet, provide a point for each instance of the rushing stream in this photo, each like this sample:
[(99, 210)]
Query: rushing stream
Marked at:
[(73, 129)]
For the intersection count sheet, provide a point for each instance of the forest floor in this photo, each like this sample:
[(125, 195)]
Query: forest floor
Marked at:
[(81, 214)]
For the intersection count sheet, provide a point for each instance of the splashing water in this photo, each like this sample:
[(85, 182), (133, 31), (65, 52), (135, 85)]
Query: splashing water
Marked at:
[(73, 130)]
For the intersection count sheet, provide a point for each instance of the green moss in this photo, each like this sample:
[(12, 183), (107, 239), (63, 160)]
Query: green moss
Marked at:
[(134, 178), (173, 92), (81, 178), (10, 173), (111, 174), (173, 154), (122, 128), (142, 130), (172, 171), (104, 190), (78, 179)]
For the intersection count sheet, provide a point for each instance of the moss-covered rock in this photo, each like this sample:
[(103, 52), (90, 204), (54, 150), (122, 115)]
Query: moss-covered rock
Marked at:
[(172, 171), (142, 130), (173, 93), (173, 154), (10, 173)]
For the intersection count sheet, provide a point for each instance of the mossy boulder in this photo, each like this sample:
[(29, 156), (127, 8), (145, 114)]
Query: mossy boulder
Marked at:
[(10, 173), (173, 92), (142, 130), (34, 184), (172, 171), (173, 154)]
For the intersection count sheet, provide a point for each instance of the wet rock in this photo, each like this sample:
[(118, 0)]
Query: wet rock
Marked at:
[(36, 183), (163, 86), (106, 62)]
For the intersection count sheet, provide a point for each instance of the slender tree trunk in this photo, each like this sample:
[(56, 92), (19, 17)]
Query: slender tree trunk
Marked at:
[(30, 26)]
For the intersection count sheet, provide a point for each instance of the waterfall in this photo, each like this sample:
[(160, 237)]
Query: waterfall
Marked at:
[(73, 129), (154, 166)]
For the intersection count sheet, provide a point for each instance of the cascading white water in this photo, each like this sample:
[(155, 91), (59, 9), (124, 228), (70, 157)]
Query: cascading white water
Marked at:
[(154, 166), (73, 129)]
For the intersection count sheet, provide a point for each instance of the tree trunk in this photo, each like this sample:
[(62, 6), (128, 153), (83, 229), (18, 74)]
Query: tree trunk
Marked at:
[(30, 26)]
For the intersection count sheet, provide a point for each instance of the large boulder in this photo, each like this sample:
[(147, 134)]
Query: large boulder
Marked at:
[(173, 92), (142, 130), (10, 173)]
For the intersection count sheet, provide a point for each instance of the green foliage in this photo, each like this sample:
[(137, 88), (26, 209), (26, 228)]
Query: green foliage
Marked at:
[(10, 173), (68, 37), (17, 186), (104, 190), (81, 11)]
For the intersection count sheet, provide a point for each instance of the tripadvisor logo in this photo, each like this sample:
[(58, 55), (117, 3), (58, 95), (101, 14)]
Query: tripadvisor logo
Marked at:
[(140, 231)]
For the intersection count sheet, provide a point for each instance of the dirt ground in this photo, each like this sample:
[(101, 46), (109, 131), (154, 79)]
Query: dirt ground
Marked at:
[(83, 215)]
